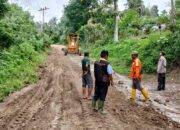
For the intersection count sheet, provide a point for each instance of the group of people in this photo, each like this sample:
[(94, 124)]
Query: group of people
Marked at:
[(103, 78)]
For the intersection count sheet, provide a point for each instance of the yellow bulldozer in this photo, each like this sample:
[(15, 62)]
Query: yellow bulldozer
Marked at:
[(73, 44)]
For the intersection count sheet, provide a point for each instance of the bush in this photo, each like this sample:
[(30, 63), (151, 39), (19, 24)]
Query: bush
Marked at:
[(149, 49), (169, 44), (18, 66), (21, 50)]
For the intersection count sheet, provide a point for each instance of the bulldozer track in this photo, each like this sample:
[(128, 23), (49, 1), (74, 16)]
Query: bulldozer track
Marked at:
[(55, 103)]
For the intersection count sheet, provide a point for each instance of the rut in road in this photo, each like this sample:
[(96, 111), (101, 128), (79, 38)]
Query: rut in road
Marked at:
[(54, 103)]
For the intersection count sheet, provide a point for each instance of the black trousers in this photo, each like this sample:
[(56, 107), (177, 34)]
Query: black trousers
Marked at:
[(101, 90), (161, 81)]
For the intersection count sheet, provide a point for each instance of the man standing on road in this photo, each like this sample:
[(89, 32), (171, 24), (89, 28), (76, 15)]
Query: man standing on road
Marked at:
[(161, 70), (136, 76), (103, 78), (86, 76)]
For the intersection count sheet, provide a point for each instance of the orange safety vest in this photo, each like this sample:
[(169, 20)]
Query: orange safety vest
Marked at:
[(136, 69)]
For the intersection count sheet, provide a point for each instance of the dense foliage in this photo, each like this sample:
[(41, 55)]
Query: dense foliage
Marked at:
[(139, 29), (3, 7), (51, 29), (21, 49), (120, 54)]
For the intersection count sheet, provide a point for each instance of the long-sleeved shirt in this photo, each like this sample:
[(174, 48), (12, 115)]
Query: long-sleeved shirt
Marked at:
[(161, 68), (136, 69)]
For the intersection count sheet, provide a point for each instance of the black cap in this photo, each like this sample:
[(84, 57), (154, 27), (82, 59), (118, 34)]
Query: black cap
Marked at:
[(104, 53), (163, 53), (86, 53)]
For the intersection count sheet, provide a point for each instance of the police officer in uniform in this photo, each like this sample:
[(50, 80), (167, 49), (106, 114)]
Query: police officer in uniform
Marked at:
[(161, 70), (103, 79)]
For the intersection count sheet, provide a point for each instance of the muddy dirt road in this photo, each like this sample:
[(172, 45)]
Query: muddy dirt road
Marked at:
[(54, 103)]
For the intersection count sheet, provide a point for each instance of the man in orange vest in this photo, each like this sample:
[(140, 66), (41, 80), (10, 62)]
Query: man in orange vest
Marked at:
[(136, 76)]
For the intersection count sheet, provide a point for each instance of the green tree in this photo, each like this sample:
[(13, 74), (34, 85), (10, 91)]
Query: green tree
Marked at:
[(164, 13), (145, 11), (77, 12), (52, 29), (116, 20), (135, 4), (130, 23), (112, 12), (154, 11), (177, 5), (3, 7), (18, 27), (163, 18)]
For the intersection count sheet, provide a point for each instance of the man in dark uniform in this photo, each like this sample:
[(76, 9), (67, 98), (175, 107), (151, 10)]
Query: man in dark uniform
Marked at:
[(161, 70), (103, 78)]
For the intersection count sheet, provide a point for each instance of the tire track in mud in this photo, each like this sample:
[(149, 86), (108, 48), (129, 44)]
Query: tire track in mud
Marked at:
[(94, 120), (63, 111), (15, 117), (32, 106), (97, 121), (49, 116), (55, 103), (18, 111), (129, 115)]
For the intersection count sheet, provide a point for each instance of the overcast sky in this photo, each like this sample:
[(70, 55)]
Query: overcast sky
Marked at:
[(56, 7)]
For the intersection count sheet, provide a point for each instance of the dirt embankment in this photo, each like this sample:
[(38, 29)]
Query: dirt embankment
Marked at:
[(54, 103)]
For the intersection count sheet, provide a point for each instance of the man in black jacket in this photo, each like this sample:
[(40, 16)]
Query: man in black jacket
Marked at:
[(103, 78)]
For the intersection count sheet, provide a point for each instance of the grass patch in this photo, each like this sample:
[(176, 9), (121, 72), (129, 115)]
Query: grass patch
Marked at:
[(16, 73)]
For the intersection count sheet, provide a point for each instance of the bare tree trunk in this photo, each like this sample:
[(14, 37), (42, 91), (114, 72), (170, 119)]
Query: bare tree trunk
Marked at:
[(173, 12), (116, 21)]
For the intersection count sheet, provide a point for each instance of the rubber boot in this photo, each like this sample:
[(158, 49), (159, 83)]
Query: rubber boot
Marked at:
[(94, 105), (133, 94), (145, 94), (101, 106), (84, 93)]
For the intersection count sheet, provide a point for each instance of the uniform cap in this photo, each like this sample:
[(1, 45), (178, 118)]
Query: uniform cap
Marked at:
[(134, 53)]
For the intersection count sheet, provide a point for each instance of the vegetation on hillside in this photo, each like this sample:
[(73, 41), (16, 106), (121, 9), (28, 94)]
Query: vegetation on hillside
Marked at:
[(138, 30), (21, 48)]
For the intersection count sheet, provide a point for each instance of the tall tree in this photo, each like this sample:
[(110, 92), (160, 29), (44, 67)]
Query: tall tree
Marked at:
[(164, 13), (52, 29), (3, 7), (116, 15), (17, 27), (116, 20), (173, 12), (135, 4), (177, 5), (77, 12), (154, 11)]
